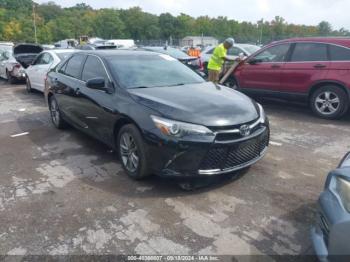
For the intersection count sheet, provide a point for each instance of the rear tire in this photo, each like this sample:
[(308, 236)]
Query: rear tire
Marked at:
[(11, 80), (55, 114), (132, 152), (329, 102)]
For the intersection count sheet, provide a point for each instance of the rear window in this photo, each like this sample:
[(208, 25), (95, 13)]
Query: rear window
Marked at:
[(308, 52), (73, 66), (339, 53)]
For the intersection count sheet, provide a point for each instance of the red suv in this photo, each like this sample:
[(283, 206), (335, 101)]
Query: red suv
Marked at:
[(316, 70)]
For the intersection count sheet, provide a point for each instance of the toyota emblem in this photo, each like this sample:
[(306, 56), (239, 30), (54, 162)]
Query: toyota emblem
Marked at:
[(244, 130)]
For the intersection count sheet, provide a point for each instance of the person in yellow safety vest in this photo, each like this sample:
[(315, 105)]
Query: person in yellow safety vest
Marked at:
[(218, 58)]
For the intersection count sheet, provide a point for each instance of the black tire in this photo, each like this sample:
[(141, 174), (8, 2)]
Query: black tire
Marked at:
[(141, 170), (231, 83), (10, 79), (28, 85), (55, 114), (205, 68), (329, 102)]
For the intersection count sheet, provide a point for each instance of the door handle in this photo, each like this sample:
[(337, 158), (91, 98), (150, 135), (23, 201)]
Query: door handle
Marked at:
[(319, 66), (275, 66)]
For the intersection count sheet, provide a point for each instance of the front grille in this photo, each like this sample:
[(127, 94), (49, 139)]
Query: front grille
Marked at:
[(229, 156)]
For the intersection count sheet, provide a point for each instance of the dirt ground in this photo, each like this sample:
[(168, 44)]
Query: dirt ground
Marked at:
[(62, 192)]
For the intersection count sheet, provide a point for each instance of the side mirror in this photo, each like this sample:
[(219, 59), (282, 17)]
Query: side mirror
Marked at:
[(97, 83)]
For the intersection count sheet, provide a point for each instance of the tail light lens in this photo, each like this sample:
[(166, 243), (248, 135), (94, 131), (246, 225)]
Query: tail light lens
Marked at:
[(17, 66)]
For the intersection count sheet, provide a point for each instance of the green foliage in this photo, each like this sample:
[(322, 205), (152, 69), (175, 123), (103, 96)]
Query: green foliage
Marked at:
[(56, 23)]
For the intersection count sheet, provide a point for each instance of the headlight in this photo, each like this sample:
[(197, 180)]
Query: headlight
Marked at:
[(346, 161), (180, 129), (343, 189), (262, 118)]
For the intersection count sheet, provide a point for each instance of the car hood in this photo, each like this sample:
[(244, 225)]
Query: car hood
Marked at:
[(205, 104)]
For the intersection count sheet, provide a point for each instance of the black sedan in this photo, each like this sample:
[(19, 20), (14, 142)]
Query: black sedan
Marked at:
[(158, 114)]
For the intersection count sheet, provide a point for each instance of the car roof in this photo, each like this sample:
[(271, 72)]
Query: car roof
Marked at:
[(344, 41)]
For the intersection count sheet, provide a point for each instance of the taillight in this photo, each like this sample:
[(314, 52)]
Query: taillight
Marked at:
[(17, 66)]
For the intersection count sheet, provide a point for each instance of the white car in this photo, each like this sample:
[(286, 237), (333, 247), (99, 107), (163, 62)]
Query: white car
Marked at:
[(10, 69), (14, 60), (37, 71), (233, 53)]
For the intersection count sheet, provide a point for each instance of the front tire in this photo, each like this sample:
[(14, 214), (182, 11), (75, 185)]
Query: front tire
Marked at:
[(55, 114), (329, 102), (132, 152)]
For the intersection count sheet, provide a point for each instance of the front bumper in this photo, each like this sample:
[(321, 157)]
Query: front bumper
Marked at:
[(197, 159)]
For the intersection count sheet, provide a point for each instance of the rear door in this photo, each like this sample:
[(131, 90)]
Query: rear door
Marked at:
[(308, 63), (265, 73), (68, 86)]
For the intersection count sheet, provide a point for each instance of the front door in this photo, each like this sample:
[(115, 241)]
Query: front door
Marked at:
[(262, 72), (96, 106)]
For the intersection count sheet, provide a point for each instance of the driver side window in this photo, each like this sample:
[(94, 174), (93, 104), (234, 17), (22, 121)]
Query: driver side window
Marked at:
[(276, 53)]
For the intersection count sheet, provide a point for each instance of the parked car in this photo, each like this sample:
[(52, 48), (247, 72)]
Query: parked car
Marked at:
[(314, 70), (14, 60), (191, 61), (331, 233), (97, 46), (160, 116), (233, 53), (122, 43), (36, 73)]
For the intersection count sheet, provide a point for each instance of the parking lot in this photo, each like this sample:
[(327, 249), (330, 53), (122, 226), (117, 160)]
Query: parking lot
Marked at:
[(62, 192)]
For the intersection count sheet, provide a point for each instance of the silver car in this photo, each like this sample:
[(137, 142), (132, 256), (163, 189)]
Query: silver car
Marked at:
[(37, 71), (331, 233)]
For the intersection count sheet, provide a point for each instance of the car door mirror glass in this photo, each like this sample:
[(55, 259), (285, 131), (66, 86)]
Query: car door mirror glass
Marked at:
[(97, 83)]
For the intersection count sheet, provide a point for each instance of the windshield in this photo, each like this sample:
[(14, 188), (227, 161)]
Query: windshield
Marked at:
[(178, 54), (151, 71), (251, 49)]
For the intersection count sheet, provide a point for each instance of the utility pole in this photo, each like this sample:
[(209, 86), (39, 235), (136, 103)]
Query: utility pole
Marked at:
[(34, 24)]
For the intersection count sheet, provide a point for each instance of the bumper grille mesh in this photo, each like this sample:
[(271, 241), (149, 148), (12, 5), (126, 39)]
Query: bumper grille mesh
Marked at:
[(226, 157)]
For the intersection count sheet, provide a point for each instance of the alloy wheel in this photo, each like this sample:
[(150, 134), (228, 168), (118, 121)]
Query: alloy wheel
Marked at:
[(129, 152), (327, 103)]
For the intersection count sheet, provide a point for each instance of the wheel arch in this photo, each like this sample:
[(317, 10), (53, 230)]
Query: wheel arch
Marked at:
[(122, 121), (317, 85)]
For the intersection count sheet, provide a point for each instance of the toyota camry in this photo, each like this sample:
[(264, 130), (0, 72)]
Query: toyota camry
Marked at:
[(160, 116)]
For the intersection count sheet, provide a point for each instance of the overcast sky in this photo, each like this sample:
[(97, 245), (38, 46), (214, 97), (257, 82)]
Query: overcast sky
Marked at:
[(309, 12)]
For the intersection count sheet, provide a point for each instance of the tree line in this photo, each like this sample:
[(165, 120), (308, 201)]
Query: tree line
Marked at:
[(54, 23)]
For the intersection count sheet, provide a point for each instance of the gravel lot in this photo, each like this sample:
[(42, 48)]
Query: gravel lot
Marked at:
[(62, 192)]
